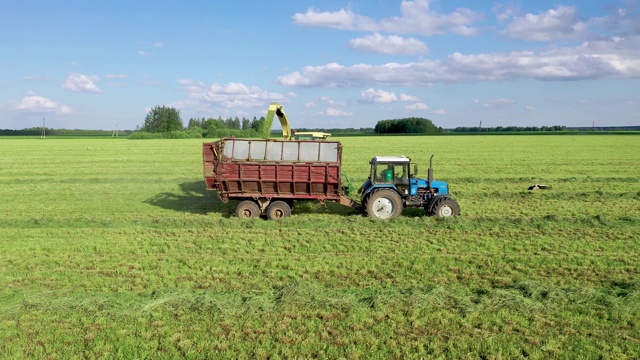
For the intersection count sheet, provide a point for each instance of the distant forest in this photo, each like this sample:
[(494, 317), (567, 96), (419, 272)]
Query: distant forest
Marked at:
[(407, 126), (503, 129), (38, 131), (214, 128)]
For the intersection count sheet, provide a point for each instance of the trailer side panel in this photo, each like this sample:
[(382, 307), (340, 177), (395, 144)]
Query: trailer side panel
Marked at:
[(250, 168)]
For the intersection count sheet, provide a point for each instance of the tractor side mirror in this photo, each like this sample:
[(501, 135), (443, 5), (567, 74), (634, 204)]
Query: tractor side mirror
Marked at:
[(415, 170)]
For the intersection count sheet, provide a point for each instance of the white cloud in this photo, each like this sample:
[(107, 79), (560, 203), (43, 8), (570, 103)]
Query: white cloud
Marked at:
[(79, 82), (36, 103), (498, 102), (336, 75), (332, 102), (505, 11), (396, 45), (147, 44), (143, 53), (309, 105), (114, 78), (405, 97), (605, 58), (598, 59), (440, 112), (529, 108), (621, 23), (417, 18), (561, 22), (380, 96), (192, 86), (417, 106), (230, 95), (342, 19), (335, 112)]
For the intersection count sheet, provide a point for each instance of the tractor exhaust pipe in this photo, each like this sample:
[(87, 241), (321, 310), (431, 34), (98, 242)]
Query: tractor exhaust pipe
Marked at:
[(430, 172)]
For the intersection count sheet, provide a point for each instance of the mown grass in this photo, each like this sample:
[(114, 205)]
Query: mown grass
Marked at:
[(112, 248)]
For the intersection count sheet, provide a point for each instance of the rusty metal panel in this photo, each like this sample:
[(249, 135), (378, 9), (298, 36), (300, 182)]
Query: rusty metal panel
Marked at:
[(241, 168)]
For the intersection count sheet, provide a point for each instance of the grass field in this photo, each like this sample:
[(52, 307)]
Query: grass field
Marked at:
[(111, 248)]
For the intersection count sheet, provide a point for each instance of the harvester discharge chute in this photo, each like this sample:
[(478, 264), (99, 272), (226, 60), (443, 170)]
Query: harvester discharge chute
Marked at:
[(278, 110), (275, 109)]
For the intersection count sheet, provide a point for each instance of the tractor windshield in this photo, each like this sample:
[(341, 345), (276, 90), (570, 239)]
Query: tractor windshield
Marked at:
[(390, 173)]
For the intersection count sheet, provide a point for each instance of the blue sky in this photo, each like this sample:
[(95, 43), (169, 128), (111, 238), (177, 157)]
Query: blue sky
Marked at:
[(102, 64)]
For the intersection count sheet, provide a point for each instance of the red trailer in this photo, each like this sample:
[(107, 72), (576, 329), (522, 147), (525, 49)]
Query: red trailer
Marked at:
[(266, 176)]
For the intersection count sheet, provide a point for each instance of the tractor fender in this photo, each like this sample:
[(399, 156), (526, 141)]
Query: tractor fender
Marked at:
[(368, 191), (433, 202), (371, 189), (364, 189)]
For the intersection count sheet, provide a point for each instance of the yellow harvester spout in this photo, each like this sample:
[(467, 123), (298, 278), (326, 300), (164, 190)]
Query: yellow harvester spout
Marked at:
[(278, 110)]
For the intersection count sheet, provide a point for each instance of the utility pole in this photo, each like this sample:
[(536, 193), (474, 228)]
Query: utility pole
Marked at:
[(115, 132), (480, 128), (43, 133)]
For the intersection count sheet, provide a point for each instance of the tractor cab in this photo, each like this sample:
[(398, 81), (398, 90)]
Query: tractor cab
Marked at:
[(390, 170), (393, 172)]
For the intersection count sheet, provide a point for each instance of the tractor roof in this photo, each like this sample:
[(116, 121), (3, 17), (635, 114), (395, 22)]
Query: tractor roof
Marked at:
[(390, 159)]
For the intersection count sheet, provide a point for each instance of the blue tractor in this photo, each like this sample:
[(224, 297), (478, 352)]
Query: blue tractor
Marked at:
[(392, 186)]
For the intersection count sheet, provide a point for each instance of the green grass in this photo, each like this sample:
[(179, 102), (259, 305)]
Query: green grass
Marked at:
[(112, 248)]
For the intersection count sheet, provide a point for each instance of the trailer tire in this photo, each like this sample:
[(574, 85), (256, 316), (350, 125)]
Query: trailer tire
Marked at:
[(384, 204), (446, 208), (248, 209), (278, 210)]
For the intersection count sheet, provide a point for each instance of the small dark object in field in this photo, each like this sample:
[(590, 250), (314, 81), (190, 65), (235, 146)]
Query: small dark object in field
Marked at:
[(539, 187)]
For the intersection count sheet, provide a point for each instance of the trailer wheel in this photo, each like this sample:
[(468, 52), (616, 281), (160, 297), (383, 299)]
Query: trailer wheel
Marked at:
[(384, 204), (290, 203), (446, 208), (278, 210), (247, 209)]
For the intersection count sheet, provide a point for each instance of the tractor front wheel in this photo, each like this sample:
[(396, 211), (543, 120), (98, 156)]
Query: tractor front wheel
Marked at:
[(278, 210), (446, 208), (384, 204), (247, 209)]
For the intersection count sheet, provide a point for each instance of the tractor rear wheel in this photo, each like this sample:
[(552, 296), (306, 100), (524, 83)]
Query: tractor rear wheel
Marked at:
[(446, 208), (247, 209), (278, 210), (384, 204)]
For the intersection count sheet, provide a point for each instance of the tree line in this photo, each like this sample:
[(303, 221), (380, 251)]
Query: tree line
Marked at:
[(411, 125), (166, 122), (340, 131), (220, 127), (38, 131)]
